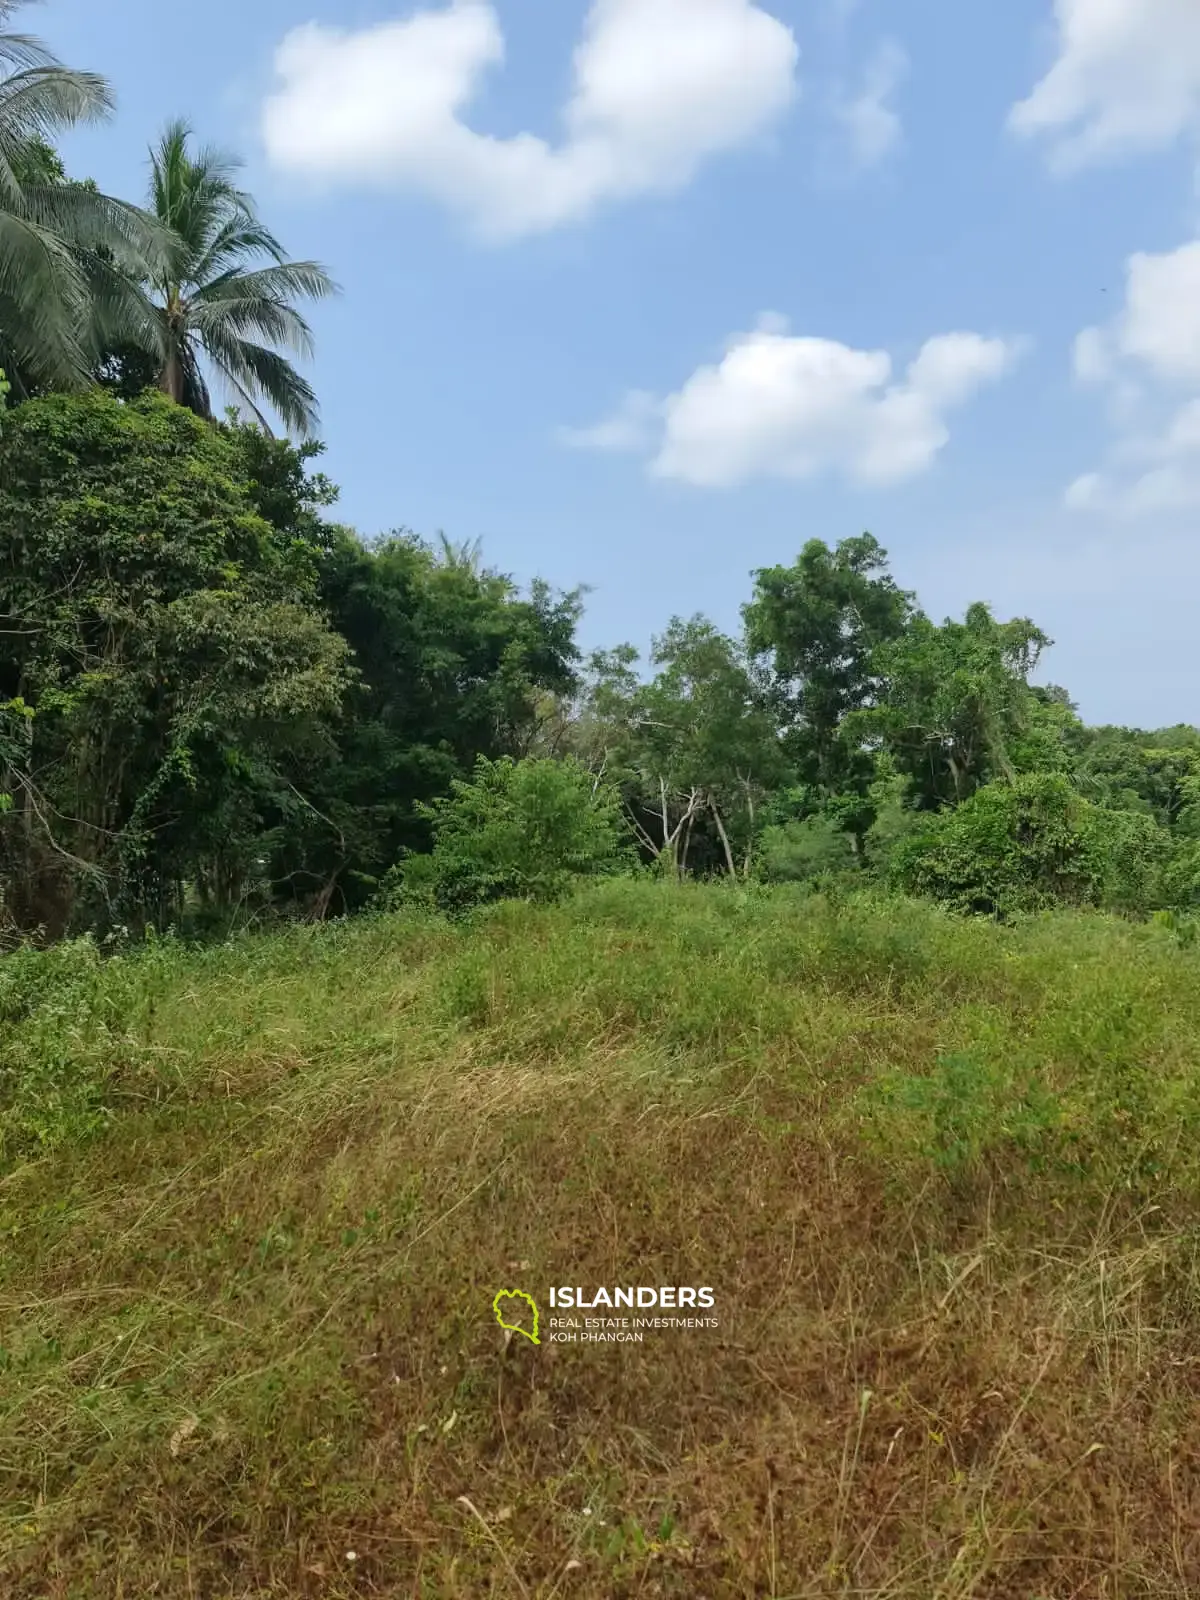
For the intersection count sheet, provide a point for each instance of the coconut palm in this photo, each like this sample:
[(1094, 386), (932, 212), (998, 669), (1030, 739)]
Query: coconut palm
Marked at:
[(66, 251), (212, 303)]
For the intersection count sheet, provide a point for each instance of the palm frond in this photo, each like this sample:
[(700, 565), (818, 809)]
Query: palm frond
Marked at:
[(218, 303), (266, 319), (196, 196), (39, 102), (46, 99), (195, 390), (238, 239), (43, 301), (94, 221), (305, 280), (267, 375), (120, 312), (247, 399), (179, 197), (20, 50)]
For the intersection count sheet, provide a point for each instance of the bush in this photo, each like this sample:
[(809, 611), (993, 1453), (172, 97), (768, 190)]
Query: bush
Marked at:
[(812, 850), (1181, 876), (520, 830), (1034, 844), (60, 1011)]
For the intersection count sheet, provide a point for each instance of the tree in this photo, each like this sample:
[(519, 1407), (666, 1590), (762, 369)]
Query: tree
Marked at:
[(8, 709), (1157, 773), (210, 301), (695, 750), (819, 623), (1030, 845), (165, 664), (65, 249), (952, 701), (452, 664)]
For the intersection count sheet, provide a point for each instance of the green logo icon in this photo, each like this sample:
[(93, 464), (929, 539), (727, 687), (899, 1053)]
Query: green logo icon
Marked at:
[(502, 1310)]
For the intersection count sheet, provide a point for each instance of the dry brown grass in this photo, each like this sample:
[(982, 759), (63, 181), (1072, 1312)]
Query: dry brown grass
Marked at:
[(248, 1331)]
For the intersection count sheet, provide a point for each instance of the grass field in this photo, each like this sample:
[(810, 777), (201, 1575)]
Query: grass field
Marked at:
[(943, 1178)]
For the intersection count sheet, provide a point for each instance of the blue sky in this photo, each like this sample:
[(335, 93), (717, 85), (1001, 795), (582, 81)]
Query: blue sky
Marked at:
[(645, 293)]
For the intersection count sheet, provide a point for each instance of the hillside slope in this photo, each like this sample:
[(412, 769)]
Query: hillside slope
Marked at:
[(941, 1177)]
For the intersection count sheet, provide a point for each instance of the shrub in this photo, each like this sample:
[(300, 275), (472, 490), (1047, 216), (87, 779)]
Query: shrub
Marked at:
[(1030, 845), (1181, 876), (519, 830), (811, 850)]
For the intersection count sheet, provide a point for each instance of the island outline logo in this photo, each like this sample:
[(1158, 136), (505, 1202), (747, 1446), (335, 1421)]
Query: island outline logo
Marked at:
[(510, 1327)]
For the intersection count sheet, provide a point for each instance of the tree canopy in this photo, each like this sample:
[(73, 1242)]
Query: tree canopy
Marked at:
[(219, 703)]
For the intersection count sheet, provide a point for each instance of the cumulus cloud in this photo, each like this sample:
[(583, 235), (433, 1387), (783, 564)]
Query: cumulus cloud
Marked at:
[(794, 407), (1160, 325), (1148, 358), (659, 86), (1152, 470), (870, 123), (1126, 78)]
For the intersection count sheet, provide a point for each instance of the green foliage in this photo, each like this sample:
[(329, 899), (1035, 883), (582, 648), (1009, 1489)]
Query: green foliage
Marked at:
[(452, 662), (967, 1114), (1185, 929), (953, 701), (813, 849), (67, 252), (215, 704), (64, 1016), (1046, 736), (1181, 875), (519, 830), (695, 750), (820, 623), (894, 814), (1156, 773), (166, 640), (1030, 845), (227, 291)]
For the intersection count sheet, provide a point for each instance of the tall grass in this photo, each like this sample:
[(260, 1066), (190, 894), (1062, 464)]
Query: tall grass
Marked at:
[(942, 1176)]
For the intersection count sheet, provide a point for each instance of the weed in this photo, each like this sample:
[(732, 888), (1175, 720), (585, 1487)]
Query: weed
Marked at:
[(944, 1178)]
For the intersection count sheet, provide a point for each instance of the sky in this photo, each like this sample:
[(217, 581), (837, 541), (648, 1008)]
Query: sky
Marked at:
[(645, 294)]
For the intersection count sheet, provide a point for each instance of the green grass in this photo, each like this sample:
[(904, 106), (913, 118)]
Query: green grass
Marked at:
[(944, 1178)]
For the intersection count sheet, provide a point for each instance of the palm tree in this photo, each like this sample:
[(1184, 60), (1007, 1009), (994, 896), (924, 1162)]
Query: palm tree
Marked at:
[(211, 300), (66, 251)]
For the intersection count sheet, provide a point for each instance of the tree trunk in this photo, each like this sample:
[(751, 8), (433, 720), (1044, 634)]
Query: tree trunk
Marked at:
[(170, 379), (712, 806), (750, 831)]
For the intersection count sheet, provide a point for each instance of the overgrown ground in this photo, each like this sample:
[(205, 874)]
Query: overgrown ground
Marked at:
[(943, 1177)]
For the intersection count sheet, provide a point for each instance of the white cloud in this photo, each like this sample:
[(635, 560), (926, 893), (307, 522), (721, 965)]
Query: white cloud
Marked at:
[(871, 124), (1152, 471), (659, 86), (794, 407), (1149, 359), (631, 428), (1127, 78), (1160, 327)]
